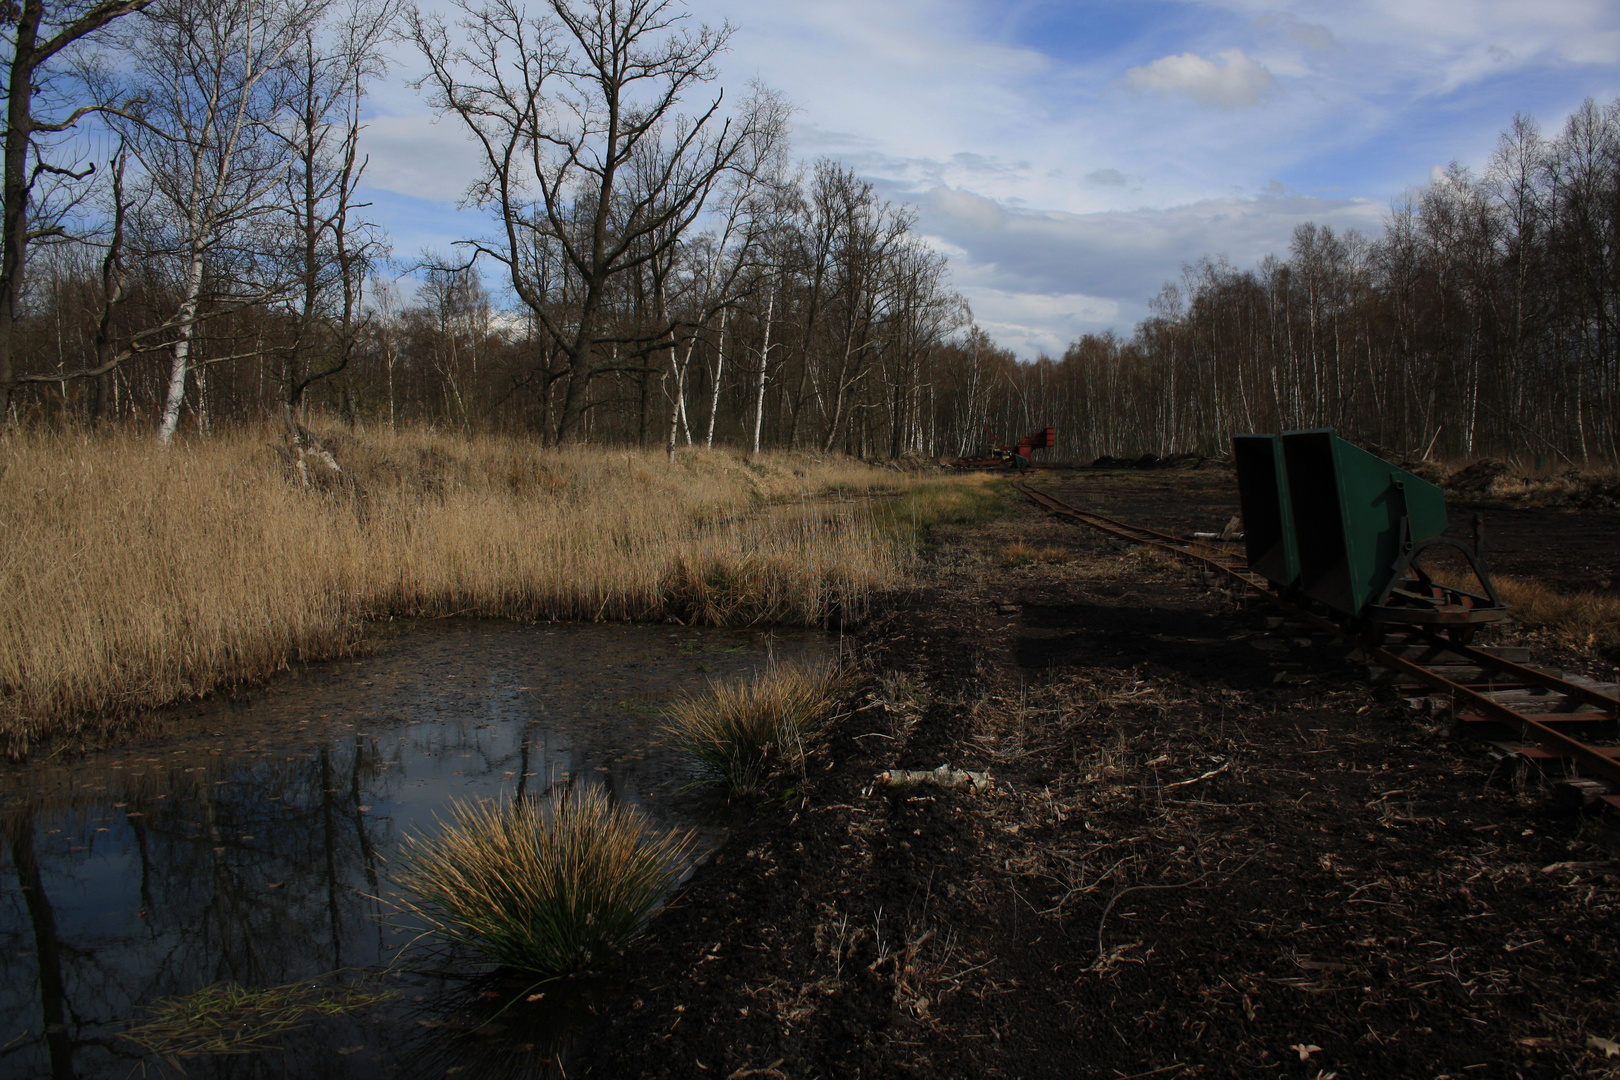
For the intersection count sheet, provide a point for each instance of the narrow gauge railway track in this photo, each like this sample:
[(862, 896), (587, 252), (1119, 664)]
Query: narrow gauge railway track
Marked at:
[(1543, 715)]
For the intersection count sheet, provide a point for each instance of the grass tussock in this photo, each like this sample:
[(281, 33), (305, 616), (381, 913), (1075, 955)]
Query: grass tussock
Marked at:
[(225, 1018), (1018, 553), (741, 732), (553, 887), (133, 575), (1586, 621)]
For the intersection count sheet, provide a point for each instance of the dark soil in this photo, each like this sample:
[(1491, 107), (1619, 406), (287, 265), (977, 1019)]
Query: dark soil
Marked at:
[(1567, 550), (1211, 851)]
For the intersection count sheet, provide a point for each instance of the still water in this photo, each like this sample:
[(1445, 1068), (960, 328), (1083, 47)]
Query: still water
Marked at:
[(250, 842)]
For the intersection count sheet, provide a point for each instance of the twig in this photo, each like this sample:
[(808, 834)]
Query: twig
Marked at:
[(1153, 1072), (1102, 922), (1194, 780)]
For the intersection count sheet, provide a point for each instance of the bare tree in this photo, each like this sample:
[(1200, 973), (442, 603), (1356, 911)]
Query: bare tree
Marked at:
[(560, 105), (332, 251), (38, 33)]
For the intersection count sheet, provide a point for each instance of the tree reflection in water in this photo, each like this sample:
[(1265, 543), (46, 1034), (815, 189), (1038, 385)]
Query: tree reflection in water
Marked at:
[(250, 845)]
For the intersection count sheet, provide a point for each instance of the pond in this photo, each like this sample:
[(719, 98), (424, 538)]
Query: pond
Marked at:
[(250, 843)]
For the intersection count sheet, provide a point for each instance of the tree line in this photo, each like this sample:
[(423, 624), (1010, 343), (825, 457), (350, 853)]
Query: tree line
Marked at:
[(658, 269), (1485, 320), (677, 277)]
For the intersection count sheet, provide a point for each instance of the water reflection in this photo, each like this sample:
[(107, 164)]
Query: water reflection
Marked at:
[(251, 843)]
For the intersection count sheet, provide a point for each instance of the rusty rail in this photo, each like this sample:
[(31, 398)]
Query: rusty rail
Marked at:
[(1594, 761)]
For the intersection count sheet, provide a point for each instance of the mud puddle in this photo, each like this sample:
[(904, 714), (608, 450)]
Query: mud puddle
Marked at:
[(251, 845)]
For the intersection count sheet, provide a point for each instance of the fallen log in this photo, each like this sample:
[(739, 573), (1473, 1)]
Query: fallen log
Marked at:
[(942, 777)]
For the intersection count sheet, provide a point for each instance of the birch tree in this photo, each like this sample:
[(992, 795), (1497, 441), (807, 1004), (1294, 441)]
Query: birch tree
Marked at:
[(206, 135)]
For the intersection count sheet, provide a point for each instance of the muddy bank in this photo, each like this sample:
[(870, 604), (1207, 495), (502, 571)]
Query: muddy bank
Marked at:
[(1210, 853)]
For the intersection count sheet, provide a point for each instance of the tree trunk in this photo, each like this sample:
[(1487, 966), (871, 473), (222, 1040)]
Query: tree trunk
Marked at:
[(759, 383), (719, 369), (14, 242), (180, 363)]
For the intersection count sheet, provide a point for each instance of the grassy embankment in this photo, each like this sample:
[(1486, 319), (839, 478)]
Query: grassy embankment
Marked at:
[(132, 576)]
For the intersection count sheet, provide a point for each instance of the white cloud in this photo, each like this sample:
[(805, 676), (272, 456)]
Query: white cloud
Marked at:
[(1448, 44), (1031, 323), (1236, 82), (1045, 277), (416, 155)]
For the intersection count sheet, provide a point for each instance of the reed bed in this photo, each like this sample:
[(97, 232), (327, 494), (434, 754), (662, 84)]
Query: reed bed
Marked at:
[(742, 731), (133, 575), (554, 887)]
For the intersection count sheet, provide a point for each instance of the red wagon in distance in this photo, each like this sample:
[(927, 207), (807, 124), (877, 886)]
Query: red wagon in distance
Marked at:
[(1013, 457)]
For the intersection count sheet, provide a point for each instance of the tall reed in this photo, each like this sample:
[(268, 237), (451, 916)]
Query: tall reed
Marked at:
[(554, 887), (133, 575)]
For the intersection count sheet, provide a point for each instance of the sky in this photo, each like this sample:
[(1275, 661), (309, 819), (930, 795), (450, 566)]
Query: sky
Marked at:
[(1071, 156)]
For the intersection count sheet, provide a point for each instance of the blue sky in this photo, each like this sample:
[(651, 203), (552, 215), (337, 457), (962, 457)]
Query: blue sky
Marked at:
[(1071, 156)]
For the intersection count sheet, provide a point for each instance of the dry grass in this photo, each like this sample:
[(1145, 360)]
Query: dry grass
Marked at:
[(1572, 487), (132, 576), (1018, 553), (1586, 621), (556, 887), (743, 731), (225, 1018)]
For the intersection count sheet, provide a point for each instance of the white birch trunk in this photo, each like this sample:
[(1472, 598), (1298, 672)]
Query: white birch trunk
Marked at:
[(759, 384), (180, 362), (677, 407), (719, 368)]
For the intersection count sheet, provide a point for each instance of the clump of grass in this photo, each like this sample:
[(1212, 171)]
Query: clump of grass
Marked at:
[(741, 732), (1586, 621), (555, 887), (225, 1018), (1018, 553)]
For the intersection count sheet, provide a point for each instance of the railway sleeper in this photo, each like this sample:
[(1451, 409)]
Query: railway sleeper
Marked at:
[(1571, 792)]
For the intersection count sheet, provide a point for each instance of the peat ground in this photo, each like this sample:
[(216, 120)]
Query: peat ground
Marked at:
[(1209, 853)]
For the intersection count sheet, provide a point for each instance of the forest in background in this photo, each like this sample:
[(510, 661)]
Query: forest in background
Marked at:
[(665, 273), (1484, 321)]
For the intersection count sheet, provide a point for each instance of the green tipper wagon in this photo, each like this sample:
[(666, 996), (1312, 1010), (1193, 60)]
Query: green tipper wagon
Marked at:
[(1328, 522)]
